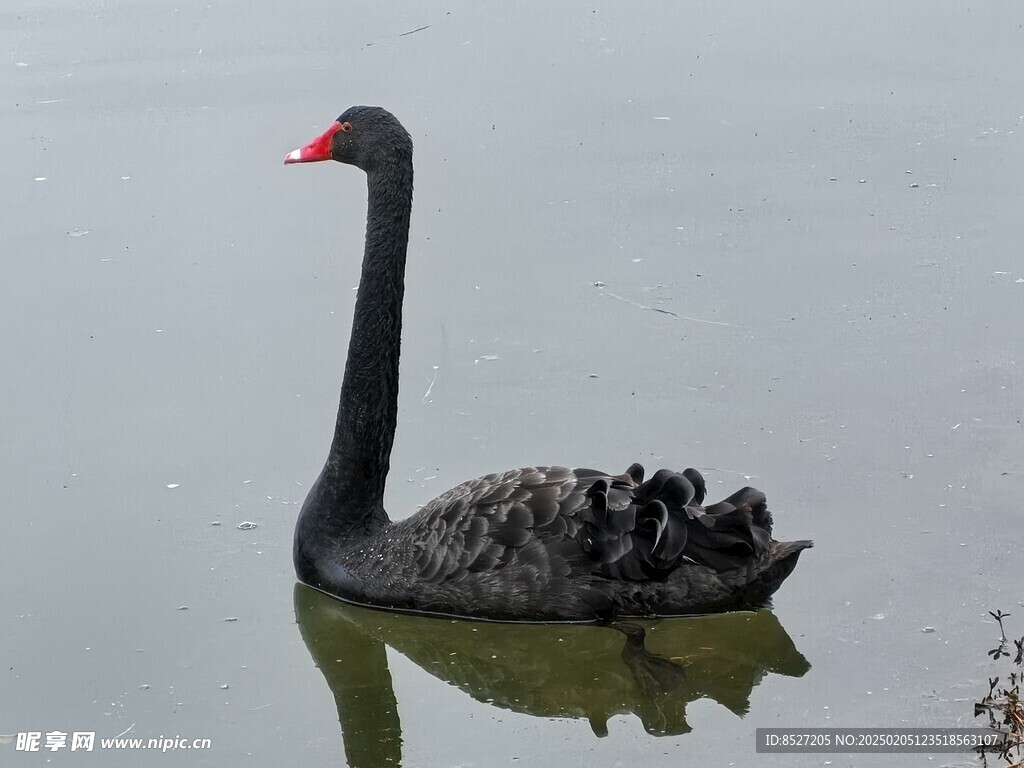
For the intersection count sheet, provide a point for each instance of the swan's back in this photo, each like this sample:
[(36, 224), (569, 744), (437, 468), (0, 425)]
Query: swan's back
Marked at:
[(551, 543)]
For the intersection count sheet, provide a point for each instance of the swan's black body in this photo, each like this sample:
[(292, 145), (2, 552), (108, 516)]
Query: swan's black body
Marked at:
[(535, 544)]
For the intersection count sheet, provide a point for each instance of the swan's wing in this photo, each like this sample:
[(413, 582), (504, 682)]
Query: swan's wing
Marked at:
[(522, 516), (550, 521)]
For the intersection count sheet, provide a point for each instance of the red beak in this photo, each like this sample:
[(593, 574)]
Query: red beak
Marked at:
[(318, 149)]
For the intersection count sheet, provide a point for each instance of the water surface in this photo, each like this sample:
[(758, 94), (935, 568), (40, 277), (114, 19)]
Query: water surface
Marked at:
[(823, 200)]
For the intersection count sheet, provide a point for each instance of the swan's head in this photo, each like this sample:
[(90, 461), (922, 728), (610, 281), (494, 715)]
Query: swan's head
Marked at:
[(366, 137)]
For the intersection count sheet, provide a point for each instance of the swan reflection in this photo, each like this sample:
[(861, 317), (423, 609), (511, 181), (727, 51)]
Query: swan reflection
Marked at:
[(652, 669)]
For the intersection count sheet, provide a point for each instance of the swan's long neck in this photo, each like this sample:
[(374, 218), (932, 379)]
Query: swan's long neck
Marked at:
[(349, 494)]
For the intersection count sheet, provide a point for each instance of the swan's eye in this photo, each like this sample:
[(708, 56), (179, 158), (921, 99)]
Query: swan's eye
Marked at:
[(346, 127)]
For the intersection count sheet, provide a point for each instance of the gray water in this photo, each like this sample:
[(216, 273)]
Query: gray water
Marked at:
[(779, 242)]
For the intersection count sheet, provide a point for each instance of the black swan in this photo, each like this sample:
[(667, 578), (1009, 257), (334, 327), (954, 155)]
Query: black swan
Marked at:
[(533, 544)]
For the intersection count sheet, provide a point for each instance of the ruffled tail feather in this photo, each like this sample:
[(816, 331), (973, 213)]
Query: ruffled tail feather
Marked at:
[(640, 530)]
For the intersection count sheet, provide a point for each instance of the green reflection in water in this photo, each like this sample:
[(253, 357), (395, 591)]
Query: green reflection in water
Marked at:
[(652, 669)]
